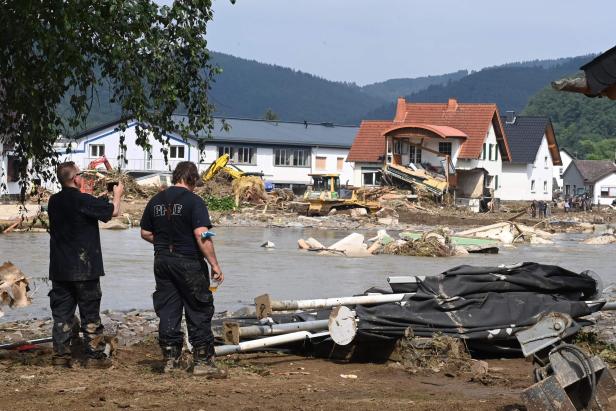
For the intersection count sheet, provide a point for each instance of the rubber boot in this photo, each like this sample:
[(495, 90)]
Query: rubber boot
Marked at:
[(204, 364), (98, 359), (61, 360), (172, 356)]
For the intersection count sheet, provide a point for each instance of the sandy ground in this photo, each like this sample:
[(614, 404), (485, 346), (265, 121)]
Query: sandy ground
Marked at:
[(256, 381)]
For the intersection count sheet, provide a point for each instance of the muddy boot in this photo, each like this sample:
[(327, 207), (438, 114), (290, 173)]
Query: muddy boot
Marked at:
[(204, 365), (172, 356), (98, 359), (61, 360)]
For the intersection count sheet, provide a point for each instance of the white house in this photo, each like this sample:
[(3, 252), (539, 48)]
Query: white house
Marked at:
[(463, 142), (285, 152), (594, 177), (565, 159), (534, 155)]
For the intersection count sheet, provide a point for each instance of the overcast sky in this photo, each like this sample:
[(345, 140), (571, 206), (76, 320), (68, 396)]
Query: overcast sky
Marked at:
[(365, 41)]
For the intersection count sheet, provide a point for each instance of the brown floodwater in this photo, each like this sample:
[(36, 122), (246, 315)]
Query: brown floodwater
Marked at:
[(284, 272)]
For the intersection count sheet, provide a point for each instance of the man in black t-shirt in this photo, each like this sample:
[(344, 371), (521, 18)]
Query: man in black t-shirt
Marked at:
[(76, 264), (175, 221)]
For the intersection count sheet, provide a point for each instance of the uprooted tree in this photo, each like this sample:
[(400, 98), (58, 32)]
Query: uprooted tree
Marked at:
[(56, 57)]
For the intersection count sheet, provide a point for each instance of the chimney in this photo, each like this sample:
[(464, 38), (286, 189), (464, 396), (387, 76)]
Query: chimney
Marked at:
[(452, 104), (400, 110), (510, 117)]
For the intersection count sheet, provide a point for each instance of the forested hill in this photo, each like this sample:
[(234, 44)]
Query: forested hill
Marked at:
[(248, 89), (390, 90), (585, 126), (509, 86)]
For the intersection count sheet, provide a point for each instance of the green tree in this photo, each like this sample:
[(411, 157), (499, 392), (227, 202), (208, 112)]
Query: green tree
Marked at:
[(152, 61)]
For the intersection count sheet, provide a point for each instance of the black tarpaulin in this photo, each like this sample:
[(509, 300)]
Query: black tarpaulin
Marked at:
[(480, 303)]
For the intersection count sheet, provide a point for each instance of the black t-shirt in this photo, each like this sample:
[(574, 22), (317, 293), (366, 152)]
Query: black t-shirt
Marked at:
[(188, 213), (75, 245)]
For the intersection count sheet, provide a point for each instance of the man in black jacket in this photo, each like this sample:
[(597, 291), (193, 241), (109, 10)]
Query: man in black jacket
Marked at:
[(176, 221), (76, 264)]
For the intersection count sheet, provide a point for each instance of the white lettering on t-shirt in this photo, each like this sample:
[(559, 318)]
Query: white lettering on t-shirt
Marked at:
[(161, 210)]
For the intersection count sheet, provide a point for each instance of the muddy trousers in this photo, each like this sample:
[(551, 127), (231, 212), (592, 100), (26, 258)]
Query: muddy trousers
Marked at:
[(64, 298), (183, 286)]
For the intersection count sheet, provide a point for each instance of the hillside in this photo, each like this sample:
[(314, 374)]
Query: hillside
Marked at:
[(248, 89), (389, 90), (585, 126), (509, 86)]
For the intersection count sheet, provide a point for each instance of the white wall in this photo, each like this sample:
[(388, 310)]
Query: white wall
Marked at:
[(517, 179), (605, 182), (559, 170), (493, 167), (288, 174), (136, 159)]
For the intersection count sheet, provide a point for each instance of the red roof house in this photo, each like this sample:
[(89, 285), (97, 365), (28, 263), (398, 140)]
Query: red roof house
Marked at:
[(463, 143)]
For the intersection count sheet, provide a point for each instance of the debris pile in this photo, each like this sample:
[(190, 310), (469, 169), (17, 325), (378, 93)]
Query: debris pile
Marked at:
[(435, 243), (438, 353), (249, 189), (132, 189), (217, 186), (13, 287)]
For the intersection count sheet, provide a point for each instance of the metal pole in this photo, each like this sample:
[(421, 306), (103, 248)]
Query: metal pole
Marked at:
[(265, 305), (16, 344), (232, 332), (267, 342)]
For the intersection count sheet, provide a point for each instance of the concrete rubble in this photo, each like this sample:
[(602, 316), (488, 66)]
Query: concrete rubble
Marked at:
[(13, 287)]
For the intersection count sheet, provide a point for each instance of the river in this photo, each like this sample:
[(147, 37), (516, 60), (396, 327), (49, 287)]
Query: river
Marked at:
[(284, 272)]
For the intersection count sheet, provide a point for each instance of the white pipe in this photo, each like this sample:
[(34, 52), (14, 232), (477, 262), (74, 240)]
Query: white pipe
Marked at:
[(267, 342), (277, 329), (284, 305)]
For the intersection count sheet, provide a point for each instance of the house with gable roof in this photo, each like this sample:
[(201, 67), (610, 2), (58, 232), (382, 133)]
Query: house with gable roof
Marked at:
[(462, 145), (597, 178), (534, 155)]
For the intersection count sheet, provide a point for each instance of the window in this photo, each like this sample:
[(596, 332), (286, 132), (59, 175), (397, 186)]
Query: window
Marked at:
[(97, 150), (321, 163), (239, 155), (444, 148), (483, 151), (245, 155), (560, 172), (490, 146), (222, 150), (371, 177), (545, 186), (495, 152), (608, 192), (496, 182), (545, 161), (567, 189), (415, 154), (532, 186), (295, 157), (339, 163), (176, 152), (12, 169)]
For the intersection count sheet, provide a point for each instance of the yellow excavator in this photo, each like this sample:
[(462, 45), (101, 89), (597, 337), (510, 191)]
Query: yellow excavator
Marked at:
[(325, 193), (222, 163)]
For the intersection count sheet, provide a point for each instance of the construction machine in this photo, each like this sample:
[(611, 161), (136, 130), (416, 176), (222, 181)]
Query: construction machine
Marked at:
[(222, 163), (91, 175), (325, 194)]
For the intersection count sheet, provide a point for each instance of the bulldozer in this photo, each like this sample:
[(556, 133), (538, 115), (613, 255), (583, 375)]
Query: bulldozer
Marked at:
[(326, 194)]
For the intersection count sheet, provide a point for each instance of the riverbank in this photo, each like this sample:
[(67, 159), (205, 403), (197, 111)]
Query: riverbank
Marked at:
[(272, 380)]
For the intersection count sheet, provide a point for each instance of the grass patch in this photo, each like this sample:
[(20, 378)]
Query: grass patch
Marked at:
[(226, 203), (590, 342)]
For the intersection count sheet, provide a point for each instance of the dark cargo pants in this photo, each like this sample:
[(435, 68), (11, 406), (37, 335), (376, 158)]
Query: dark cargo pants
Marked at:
[(64, 298), (183, 285)]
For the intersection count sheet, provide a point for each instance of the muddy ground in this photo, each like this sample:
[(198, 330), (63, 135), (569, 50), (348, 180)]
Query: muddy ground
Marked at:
[(256, 381)]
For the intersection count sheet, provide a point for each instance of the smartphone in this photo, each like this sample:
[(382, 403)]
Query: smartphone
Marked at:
[(110, 185)]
